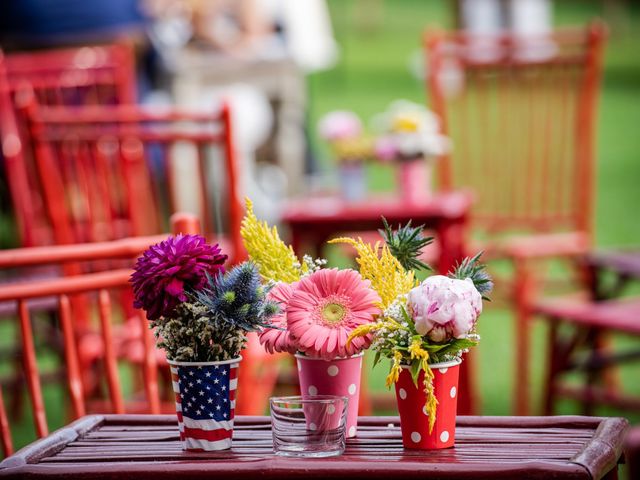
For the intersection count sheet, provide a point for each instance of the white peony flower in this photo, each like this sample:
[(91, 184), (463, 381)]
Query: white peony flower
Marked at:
[(444, 308)]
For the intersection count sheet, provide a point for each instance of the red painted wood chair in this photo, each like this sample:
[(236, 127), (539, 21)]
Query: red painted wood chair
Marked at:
[(579, 328), (522, 116), (73, 76), (109, 172), (102, 292)]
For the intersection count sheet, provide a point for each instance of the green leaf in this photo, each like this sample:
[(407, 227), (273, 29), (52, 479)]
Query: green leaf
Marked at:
[(415, 371), (376, 359), (457, 345)]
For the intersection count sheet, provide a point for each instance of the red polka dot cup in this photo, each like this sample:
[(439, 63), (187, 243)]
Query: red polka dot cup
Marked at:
[(333, 377), (414, 421)]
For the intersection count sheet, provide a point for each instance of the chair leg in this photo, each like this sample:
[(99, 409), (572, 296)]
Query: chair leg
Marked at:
[(257, 376), (524, 293), (365, 406), (552, 369)]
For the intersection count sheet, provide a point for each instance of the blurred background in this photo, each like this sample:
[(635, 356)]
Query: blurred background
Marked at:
[(315, 89)]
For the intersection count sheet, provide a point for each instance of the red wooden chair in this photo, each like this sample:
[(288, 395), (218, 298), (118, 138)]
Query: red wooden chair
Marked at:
[(73, 76), (109, 172), (522, 114), (100, 290), (578, 330)]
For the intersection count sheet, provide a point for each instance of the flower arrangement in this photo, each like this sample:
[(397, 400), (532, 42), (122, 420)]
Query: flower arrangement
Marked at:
[(421, 323), (200, 313), (320, 307), (328, 313), (410, 131), (344, 132)]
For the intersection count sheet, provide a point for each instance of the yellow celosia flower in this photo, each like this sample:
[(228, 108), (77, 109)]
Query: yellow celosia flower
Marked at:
[(387, 276), (394, 374), (276, 260), (432, 403), (417, 352)]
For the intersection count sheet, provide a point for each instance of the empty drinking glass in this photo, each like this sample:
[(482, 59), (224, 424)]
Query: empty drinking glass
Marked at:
[(310, 426)]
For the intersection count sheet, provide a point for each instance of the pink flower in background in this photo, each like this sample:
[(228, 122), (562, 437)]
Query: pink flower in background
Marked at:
[(339, 125), (385, 149), (444, 308), (326, 307), (273, 339)]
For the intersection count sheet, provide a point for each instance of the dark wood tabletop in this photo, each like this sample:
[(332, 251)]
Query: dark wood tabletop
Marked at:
[(147, 447)]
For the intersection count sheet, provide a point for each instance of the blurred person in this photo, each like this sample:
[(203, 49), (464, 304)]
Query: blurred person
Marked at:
[(229, 46), (524, 17), (530, 21), (28, 24), (37, 24)]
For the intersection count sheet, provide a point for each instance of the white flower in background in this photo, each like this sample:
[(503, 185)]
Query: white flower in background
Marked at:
[(444, 308), (412, 129)]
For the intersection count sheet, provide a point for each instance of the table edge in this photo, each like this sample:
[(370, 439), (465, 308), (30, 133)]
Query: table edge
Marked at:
[(602, 452), (52, 443)]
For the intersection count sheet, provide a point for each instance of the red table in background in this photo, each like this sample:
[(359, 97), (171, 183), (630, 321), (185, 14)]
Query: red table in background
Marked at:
[(112, 447), (314, 220)]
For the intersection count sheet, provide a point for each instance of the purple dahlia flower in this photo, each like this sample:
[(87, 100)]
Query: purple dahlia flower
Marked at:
[(168, 269)]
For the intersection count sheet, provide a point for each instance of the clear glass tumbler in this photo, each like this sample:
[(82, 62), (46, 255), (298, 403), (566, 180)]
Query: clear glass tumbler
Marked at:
[(310, 426)]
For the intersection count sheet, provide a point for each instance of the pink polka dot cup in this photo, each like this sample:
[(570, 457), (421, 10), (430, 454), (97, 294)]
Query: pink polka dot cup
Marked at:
[(333, 377), (414, 422)]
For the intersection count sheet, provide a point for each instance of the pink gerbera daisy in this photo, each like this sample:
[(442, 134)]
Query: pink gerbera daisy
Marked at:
[(278, 339), (326, 307)]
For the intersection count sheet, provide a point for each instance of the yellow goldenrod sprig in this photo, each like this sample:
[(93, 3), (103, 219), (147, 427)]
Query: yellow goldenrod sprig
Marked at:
[(432, 403), (276, 260), (417, 352), (363, 330), (394, 374), (387, 276)]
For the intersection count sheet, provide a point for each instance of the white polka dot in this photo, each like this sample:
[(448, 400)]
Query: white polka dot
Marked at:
[(403, 393), (331, 409), (424, 410), (313, 390), (313, 426), (352, 389), (444, 436), (352, 431), (453, 392), (333, 370), (415, 437), (443, 370)]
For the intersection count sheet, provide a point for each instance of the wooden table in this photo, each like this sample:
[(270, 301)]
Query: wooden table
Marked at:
[(147, 447), (314, 220)]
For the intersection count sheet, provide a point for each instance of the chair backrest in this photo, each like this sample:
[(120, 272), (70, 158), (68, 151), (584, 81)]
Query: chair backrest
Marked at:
[(109, 172), (72, 76), (521, 112), (88, 75)]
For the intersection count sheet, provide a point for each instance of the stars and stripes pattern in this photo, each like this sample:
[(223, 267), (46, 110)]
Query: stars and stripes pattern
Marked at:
[(205, 404)]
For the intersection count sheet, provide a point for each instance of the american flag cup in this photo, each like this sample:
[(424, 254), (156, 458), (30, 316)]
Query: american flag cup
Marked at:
[(205, 402)]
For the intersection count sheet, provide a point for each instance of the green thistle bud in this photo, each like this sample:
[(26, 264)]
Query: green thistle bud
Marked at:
[(229, 297)]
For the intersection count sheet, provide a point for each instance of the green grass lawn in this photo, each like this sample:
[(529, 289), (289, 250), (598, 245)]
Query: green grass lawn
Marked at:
[(374, 69)]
